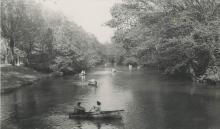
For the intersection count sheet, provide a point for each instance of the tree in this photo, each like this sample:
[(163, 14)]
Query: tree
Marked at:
[(10, 21), (177, 35), (47, 38)]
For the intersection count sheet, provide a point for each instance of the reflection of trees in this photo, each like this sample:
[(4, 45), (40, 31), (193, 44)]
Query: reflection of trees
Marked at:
[(185, 110), (83, 80), (148, 110)]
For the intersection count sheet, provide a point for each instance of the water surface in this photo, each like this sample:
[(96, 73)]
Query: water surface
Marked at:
[(150, 101)]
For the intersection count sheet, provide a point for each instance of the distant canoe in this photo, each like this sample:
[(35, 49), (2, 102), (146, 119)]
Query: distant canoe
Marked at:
[(82, 74), (92, 82), (101, 115), (114, 70)]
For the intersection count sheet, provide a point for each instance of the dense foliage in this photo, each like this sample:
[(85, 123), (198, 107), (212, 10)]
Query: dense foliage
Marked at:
[(181, 37), (43, 39)]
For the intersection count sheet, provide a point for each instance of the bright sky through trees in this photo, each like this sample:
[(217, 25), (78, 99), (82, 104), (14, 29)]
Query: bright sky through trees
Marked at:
[(90, 14)]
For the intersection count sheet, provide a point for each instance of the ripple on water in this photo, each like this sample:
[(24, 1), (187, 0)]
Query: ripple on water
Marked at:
[(63, 122)]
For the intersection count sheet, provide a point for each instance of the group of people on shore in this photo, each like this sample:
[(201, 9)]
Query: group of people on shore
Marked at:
[(80, 109)]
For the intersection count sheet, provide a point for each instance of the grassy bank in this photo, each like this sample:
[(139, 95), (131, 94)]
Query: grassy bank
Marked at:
[(13, 77)]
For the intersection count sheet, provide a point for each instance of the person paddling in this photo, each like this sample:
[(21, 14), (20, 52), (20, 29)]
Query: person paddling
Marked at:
[(97, 108), (79, 109)]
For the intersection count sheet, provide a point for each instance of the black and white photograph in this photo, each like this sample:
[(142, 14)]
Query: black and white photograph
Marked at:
[(110, 64)]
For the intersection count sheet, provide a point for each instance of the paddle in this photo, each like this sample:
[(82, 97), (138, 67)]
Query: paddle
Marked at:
[(115, 110)]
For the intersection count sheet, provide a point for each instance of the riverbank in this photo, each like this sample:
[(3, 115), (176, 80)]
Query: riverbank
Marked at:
[(14, 77)]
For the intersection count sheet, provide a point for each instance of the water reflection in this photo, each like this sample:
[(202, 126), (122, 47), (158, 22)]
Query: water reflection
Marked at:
[(149, 101), (62, 122), (83, 80)]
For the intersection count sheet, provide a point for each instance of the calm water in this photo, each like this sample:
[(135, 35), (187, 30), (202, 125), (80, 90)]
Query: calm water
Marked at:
[(150, 101)]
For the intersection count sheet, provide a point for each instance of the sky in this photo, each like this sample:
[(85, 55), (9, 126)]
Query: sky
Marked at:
[(90, 14)]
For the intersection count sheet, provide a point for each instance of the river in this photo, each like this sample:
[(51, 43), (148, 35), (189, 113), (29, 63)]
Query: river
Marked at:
[(150, 101)]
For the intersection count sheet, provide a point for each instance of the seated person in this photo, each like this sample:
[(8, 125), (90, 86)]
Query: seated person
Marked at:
[(97, 108), (79, 109)]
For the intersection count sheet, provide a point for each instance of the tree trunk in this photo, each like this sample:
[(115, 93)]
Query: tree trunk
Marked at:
[(18, 60), (11, 45)]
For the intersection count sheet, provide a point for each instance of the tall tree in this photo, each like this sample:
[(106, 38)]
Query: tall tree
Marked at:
[(177, 34)]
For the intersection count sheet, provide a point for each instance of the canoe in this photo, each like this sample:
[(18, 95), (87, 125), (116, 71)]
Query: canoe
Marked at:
[(94, 115), (82, 74), (114, 70), (92, 82)]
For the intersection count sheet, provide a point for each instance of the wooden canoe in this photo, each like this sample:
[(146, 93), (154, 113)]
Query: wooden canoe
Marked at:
[(92, 82), (94, 115)]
